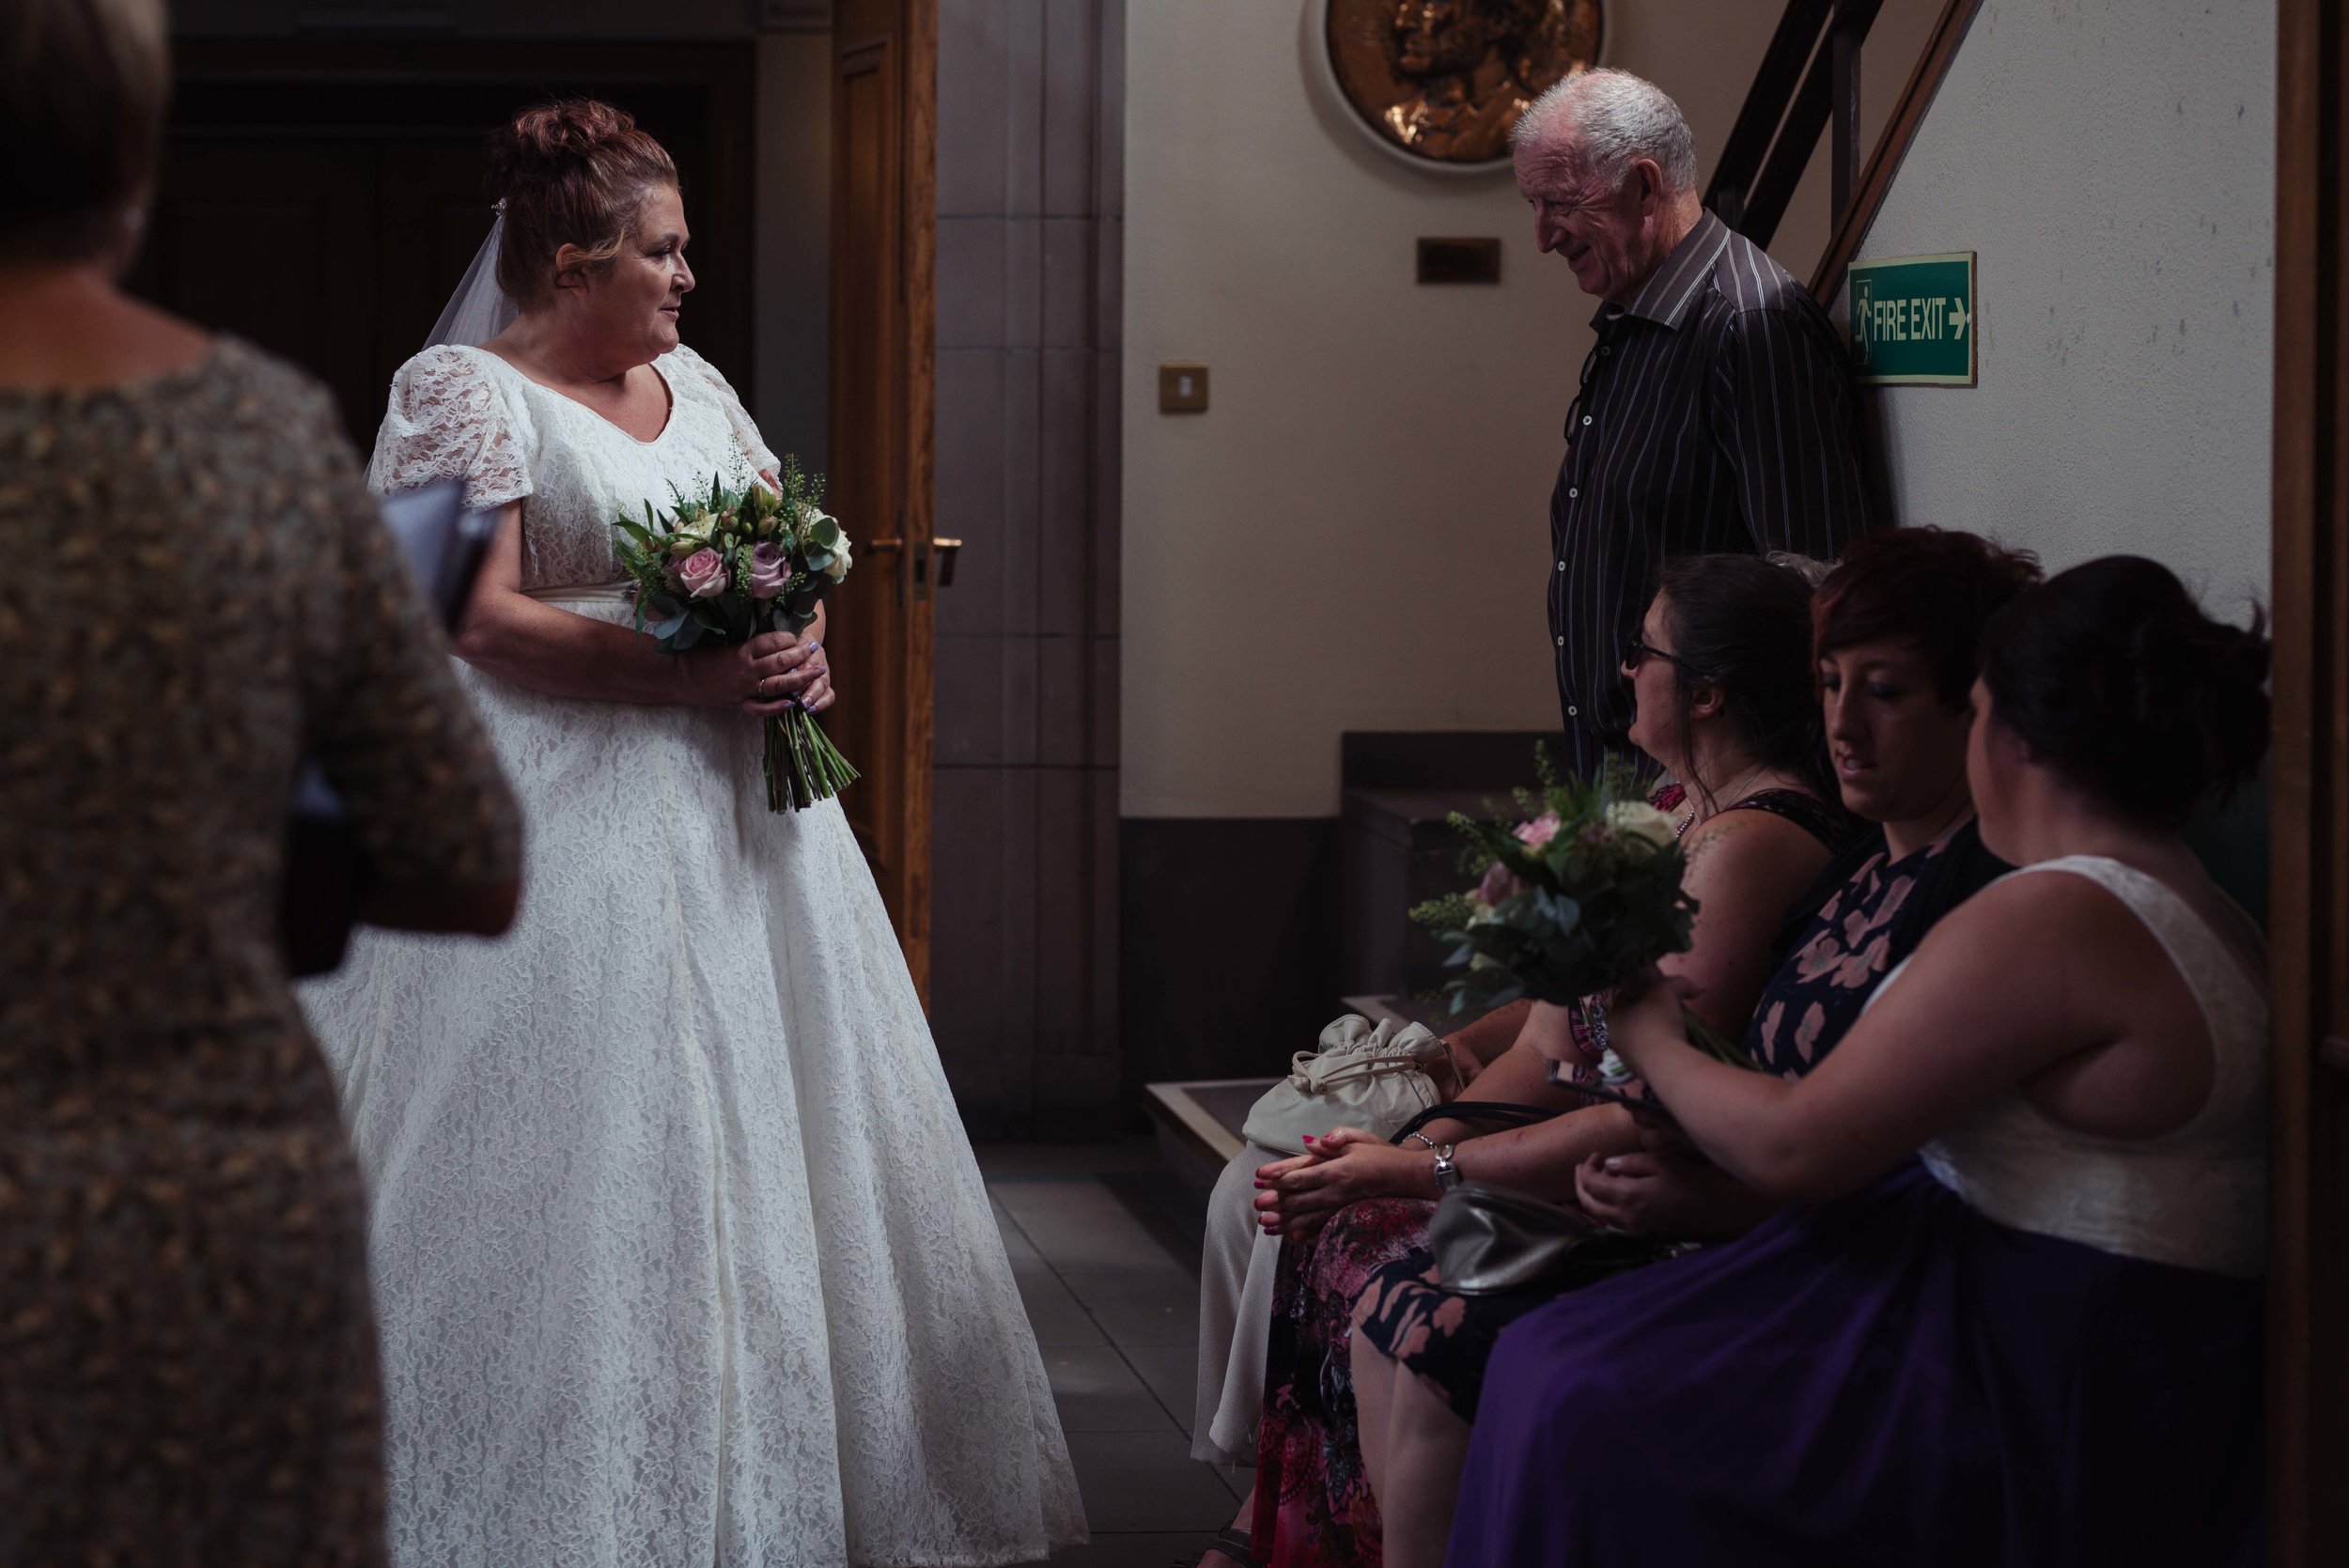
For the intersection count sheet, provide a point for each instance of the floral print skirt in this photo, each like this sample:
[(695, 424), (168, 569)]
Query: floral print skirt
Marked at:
[(1314, 1505)]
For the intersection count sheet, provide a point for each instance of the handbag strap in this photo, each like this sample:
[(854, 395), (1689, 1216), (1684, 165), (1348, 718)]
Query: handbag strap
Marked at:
[(1505, 1112)]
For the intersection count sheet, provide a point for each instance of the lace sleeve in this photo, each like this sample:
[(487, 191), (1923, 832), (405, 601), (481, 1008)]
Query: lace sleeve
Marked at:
[(689, 363), (449, 419)]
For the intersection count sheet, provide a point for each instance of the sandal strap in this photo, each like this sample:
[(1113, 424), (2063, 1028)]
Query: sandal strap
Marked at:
[(1235, 1544)]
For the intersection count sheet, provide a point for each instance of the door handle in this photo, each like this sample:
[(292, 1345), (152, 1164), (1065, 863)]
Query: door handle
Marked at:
[(946, 551)]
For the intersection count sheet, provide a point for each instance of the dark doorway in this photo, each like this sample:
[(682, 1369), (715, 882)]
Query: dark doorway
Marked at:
[(323, 197)]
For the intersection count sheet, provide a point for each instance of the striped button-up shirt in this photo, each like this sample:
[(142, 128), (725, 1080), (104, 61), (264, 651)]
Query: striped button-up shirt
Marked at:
[(1717, 412)]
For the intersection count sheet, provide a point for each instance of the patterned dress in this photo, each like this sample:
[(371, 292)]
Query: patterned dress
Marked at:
[(199, 588)]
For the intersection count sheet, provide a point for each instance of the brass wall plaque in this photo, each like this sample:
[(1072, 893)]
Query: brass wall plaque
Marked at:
[(1445, 80)]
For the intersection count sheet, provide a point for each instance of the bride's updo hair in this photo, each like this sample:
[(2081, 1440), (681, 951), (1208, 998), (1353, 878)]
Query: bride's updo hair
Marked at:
[(2112, 675), (574, 173)]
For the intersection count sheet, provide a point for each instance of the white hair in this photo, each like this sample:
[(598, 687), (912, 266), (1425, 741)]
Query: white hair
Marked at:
[(1602, 119)]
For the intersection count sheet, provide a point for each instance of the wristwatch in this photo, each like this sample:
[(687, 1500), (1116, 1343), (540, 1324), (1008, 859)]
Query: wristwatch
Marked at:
[(1447, 1173)]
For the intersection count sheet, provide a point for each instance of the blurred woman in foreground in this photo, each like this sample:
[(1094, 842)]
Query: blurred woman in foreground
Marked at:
[(200, 590)]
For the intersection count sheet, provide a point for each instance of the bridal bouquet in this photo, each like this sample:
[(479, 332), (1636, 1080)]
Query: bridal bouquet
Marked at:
[(1576, 897), (722, 568)]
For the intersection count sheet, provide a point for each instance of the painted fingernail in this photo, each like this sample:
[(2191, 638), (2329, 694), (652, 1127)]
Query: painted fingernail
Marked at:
[(1309, 1138)]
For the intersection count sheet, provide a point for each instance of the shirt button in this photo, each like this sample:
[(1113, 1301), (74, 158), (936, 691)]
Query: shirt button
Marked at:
[(1573, 712), (1562, 566), (1561, 641), (1586, 419), (1573, 491), (1605, 350)]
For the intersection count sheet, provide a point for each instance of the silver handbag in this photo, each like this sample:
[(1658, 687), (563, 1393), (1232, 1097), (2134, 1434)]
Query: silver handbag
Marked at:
[(1489, 1240)]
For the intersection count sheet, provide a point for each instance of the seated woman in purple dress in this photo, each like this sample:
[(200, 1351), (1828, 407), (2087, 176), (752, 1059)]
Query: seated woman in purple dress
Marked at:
[(1899, 626), (1722, 672), (2039, 1344)]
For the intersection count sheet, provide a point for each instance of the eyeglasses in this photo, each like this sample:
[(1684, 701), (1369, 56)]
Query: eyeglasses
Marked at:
[(1635, 651)]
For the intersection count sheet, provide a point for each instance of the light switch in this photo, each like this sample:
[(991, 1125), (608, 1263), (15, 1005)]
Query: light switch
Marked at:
[(1182, 389)]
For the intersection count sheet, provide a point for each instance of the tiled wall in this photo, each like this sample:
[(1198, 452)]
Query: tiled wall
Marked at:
[(1030, 165)]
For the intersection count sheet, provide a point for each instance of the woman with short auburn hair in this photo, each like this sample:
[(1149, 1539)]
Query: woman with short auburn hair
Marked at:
[(200, 592)]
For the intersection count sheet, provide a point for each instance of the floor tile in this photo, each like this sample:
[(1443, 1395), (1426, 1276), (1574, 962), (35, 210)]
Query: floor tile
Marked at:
[(1146, 1481), (1024, 1257), (1139, 1308), (1172, 1373), (1055, 1314), (1137, 1155), (1095, 1390), (1131, 1550), (1078, 1224)]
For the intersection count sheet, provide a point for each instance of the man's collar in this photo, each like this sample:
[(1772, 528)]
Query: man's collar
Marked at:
[(1666, 296)]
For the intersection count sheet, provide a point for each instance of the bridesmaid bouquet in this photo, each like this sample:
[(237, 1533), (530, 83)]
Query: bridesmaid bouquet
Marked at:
[(1575, 898), (722, 568)]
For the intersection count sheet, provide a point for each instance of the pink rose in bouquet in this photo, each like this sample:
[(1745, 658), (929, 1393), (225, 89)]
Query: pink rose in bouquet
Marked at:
[(703, 574), (771, 570), (1539, 831), (1499, 886)]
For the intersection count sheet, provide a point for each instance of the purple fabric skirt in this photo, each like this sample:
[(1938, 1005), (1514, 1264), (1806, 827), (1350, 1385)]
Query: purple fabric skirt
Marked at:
[(1888, 1378)]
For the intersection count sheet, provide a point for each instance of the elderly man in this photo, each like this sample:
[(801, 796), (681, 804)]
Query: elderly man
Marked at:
[(1717, 410)]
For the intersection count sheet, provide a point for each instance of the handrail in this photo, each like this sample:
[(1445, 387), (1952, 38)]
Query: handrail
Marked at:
[(1808, 76), (1853, 222), (1758, 118)]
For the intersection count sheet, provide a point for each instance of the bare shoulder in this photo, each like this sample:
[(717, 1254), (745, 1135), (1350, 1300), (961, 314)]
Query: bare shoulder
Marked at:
[(1744, 843), (2041, 931)]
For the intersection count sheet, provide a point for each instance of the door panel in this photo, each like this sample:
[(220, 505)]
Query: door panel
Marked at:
[(881, 622), (321, 197), (2308, 1281)]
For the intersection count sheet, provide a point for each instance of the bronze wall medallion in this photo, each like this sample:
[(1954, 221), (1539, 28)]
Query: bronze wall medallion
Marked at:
[(1445, 80)]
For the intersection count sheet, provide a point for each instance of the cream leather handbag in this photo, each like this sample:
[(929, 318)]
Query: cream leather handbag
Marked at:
[(1375, 1077)]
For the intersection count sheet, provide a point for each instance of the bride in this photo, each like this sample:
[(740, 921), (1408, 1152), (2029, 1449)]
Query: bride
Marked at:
[(680, 1253)]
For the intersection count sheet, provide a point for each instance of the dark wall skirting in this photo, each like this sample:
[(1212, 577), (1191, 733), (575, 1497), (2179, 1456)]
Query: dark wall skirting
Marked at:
[(1228, 945)]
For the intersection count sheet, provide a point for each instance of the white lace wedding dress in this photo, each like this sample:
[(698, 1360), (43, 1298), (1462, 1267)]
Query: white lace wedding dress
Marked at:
[(681, 1256)]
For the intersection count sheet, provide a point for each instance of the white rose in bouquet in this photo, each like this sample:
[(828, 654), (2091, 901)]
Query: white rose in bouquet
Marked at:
[(1638, 819)]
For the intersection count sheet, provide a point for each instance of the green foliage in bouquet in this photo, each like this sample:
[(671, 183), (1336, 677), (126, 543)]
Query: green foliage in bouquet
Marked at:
[(1582, 893), (771, 557), (1574, 900)]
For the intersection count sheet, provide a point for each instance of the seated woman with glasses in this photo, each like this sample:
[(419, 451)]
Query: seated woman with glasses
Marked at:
[(1725, 703), (1898, 627), (2012, 1314)]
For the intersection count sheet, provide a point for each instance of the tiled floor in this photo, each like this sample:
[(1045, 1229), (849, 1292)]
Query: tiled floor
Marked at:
[(1113, 1294)]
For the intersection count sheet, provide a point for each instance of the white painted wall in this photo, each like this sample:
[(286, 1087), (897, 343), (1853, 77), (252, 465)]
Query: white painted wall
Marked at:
[(2113, 161), (1356, 536)]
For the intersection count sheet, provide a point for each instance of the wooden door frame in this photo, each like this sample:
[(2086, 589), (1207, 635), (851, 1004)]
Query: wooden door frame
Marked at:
[(914, 52), (2308, 1280)]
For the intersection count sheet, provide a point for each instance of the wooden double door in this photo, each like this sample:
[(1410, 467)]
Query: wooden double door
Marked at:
[(323, 197)]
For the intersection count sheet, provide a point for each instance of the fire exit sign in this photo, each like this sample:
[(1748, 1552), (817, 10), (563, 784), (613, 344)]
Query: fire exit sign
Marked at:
[(1912, 320)]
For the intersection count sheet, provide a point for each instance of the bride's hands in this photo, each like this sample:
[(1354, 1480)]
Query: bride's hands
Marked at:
[(772, 672)]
